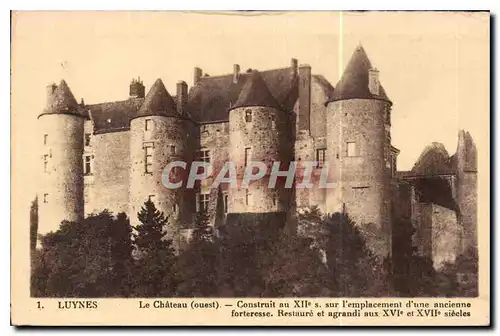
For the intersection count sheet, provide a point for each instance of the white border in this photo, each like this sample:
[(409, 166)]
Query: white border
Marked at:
[(492, 5)]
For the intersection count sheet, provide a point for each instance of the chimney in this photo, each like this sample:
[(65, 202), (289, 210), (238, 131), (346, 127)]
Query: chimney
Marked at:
[(197, 75), (304, 112), (181, 97), (294, 65), (236, 73), (373, 82), (137, 89)]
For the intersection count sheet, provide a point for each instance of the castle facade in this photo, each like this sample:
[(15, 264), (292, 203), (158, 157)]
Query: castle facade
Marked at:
[(112, 155)]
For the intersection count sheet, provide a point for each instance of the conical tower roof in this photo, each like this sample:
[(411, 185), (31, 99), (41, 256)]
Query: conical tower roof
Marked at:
[(256, 93), (62, 101), (354, 81), (158, 102)]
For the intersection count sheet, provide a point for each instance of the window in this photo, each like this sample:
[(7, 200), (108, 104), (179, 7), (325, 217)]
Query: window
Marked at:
[(87, 164), (45, 198), (247, 197), (248, 115), (247, 155), (273, 122), (226, 203), (174, 207), (274, 199), (148, 162), (45, 138), (172, 150), (203, 202), (87, 139), (148, 126), (321, 156), (46, 163), (351, 149), (205, 155)]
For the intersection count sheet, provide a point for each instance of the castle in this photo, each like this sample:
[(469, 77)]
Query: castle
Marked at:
[(112, 155)]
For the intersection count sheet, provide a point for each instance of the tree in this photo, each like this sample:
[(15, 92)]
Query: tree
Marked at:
[(198, 263), (121, 256), (297, 269), (460, 279), (353, 269), (413, 275), (246, 252), (154, 272), (33, 225), (82, 259)]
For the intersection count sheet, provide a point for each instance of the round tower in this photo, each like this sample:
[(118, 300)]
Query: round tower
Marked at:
[(61, 128), (257, 129), (358, 145), (466, 192), (157, 137)]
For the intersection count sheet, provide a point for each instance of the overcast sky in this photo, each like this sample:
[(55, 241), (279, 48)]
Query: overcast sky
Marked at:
[(434, 66)]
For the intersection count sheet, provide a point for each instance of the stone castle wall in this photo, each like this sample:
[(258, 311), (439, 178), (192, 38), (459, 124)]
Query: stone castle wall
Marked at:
[(165, 132), (107, 187), (61, 186), (265, 137), (362, 185)]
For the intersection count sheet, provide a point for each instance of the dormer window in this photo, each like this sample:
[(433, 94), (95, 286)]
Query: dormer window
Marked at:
[(248, 116), (148, 126)]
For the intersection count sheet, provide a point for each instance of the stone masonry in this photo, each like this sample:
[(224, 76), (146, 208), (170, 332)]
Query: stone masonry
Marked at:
[(112, 155)]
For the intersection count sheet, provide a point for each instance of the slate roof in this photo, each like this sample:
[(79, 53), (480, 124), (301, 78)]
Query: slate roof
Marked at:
[(209, 101), (158, 102), (354, 80), (256, 93), (212, 97), (62, 101), (114, 116), (325, 84)]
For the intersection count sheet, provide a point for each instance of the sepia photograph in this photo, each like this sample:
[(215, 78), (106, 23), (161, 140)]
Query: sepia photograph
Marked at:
[(257, 167)]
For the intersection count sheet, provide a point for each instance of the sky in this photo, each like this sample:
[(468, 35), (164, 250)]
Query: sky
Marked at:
[(434, 66)]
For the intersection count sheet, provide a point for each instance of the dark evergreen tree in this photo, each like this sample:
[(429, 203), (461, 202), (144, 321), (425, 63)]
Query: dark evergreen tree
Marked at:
[(121, 256), (198, 263), (353, 269), (246, 252), (297, 269), (155, 273), (413, 275), (81, 259)]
